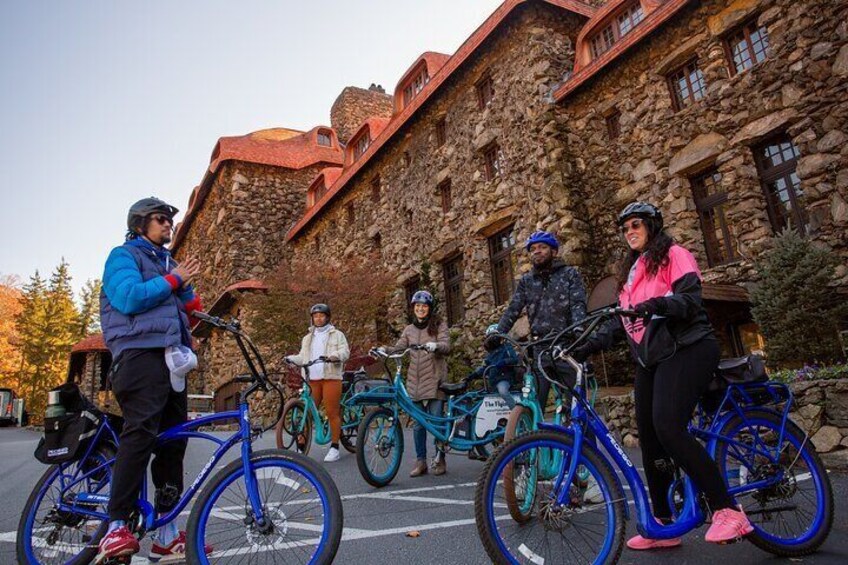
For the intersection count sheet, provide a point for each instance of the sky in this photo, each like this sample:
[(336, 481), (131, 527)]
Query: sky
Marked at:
[(103, 103)]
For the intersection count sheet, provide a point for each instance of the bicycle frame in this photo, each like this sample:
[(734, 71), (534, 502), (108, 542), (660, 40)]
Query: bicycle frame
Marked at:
[(322, 424)]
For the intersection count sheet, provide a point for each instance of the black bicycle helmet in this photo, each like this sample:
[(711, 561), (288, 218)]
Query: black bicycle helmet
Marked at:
[(642, 210), (319, 309), (143, 208)]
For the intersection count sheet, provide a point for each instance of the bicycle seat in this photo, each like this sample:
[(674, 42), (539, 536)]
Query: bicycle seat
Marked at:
[(453, 388), (747, 369)]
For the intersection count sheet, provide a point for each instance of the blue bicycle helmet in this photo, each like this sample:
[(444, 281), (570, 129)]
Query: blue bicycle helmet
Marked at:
[(423, 297), (545, 237)]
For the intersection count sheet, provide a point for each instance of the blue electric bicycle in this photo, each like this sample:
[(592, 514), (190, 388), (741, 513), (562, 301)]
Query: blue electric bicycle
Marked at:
[(269, 506), (473, 419), (770, 465)]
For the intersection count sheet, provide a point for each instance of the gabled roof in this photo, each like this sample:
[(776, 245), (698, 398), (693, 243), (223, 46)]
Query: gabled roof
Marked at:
[(92, 343), (585, 69), (374, 126), (456, 60), (430, 60), (278, 147), (325, 179)]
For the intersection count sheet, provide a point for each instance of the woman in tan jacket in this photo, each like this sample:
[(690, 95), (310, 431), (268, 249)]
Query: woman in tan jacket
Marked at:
[(325, 379), (426, 370)]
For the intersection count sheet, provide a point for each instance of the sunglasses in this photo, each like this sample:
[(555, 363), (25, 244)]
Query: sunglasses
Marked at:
[(634, 225), (162, 219)]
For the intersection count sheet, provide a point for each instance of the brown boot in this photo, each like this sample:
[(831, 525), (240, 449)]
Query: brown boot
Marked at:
[(439, 465), (419, 469)]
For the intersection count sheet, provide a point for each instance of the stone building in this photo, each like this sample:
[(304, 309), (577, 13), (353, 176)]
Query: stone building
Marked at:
[(730, 115)]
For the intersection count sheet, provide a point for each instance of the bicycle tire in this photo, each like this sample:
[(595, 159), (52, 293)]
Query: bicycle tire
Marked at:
[(807, 542), (299, 427), (485, 506), (389, 444), (319, 482), (520, 422), (24, 549)]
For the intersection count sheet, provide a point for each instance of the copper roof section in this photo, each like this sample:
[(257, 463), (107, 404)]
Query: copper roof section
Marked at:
[(399, 120), (92, 344)]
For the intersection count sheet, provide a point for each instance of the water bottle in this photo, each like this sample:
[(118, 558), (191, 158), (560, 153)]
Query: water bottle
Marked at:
[(54, 405)]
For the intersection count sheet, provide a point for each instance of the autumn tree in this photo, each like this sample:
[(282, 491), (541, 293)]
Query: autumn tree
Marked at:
[(10, 341), (89, 309)]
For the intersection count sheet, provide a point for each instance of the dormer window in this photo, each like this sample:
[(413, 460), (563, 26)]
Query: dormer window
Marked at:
[(415, 85), (325, 138), (620, 26), (360, 146)]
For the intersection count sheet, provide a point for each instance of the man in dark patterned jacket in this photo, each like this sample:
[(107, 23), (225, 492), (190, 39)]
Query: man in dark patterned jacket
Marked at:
[(553, 295)]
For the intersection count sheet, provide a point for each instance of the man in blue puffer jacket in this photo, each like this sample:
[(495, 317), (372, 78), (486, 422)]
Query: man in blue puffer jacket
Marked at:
[(144, 310)]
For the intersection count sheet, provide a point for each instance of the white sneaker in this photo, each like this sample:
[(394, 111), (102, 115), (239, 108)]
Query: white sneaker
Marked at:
[(332, 455), (593, 494)]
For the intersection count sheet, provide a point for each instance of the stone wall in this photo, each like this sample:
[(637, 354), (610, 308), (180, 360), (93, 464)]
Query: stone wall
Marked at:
[(408, 224), (354, 105), (820, 409), (799, 89)]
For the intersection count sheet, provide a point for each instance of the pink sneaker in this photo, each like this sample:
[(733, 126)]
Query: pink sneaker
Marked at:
[(640, 543), (174, 552), (117, 543), (728, 525)]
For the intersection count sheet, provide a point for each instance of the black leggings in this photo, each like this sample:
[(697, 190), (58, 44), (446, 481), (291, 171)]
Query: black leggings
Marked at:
[(666, 396)]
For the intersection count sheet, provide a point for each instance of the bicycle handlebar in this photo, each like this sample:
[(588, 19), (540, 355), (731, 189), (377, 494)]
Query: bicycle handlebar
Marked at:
[(322, 359)]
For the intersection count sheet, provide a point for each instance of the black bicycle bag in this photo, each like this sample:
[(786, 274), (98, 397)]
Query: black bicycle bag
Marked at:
[(66, 438)]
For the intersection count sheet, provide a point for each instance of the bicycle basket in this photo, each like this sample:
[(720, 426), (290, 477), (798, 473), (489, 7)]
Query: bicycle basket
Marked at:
[(66, 438)]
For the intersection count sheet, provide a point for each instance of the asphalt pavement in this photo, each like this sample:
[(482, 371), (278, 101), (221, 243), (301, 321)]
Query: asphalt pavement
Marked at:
[(377, 521)]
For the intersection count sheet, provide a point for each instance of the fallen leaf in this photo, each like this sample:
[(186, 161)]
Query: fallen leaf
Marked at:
[(413, 534)]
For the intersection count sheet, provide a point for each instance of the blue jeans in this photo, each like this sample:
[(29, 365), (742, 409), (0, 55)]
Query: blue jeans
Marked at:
[(503, 390), (419, 432)]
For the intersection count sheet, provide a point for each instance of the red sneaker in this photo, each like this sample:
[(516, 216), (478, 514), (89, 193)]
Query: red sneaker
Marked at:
[(117, 543), (174, 552)]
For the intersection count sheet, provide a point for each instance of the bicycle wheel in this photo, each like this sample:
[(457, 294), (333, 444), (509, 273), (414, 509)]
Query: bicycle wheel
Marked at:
[(793, 515), (47, 534), (303, 511), (577, 532), (295, 427), (351, 415), (521, 475), (379, 448)]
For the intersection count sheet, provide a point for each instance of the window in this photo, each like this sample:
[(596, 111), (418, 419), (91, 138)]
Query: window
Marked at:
[(687, 85), (500, 255), (324, 138), (776, 160), (485, 91), (710, 201), (452, 272), (624, 23), (351, 213), (493, 157), (613, 124), (747, 47), (377, 240), (407, 159), (360, 146), (226, 397), (375, 189), (415, 85), (444, 189), (317, 244), (410, 288), (441, 132)]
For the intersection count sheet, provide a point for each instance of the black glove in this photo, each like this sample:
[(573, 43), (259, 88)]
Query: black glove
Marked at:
[(650, 307), (583, 351), (491, 342)]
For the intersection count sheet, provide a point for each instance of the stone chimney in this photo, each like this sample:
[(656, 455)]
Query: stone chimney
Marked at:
[(354, 105)]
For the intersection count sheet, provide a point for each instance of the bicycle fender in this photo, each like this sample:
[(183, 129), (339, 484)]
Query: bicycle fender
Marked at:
[(588, 446)]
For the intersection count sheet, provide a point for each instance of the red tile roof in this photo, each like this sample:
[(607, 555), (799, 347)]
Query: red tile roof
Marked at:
[(399, 120), (278, 147), (325, 179), (585, 68), (92, 343), (432, 60), (246, 285), (373, 126)]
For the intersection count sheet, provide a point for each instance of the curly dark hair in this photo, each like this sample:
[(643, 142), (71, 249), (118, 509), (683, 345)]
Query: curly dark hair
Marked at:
[(656, 253)]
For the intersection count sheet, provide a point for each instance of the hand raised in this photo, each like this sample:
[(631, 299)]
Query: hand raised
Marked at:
[(188, 270)]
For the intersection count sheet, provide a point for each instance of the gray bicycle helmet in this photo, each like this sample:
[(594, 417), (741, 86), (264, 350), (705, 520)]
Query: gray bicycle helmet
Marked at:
[(143, 208), (319, 309), (642, 210)]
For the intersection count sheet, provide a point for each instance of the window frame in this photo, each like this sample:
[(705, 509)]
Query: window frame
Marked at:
[(613, 124), (376, 192), (322, 133), (605, 38), (718, 252), (498, 254), (361, 145), (410, 287), (677, 100), (784, 170), (493, 161), (445, 196), (485, 88), (350, 210), (745, 29), (453, 289), (441, 132), (415, 85)]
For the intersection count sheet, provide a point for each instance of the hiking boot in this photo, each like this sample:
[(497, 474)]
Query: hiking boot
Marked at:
[(117, 543), (419, 469), (439, 466), (728, 526)]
